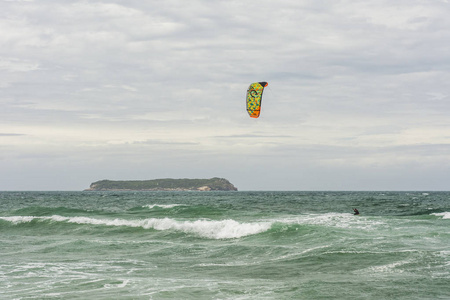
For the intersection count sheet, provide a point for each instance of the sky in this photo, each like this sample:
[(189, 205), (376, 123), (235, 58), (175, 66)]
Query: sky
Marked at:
[(358, 95)]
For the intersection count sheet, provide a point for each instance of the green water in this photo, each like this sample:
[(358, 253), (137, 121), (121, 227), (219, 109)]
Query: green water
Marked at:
[(224, 245)]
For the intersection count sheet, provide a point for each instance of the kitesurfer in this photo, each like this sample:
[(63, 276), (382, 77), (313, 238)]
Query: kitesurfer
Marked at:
[(356, 211)]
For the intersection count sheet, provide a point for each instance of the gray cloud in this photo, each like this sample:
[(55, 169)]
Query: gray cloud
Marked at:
[(10, 134), (156, 89)]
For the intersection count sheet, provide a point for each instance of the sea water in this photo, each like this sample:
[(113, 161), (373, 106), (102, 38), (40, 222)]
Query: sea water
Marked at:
[(224, 245)]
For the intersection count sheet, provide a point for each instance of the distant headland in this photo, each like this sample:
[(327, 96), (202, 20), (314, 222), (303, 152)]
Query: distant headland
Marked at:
[(166, 184)]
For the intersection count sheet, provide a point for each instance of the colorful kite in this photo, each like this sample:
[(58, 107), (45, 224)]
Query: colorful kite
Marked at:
[(254, 97)]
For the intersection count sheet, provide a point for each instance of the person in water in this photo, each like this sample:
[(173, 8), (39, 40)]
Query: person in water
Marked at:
[(356, 211)]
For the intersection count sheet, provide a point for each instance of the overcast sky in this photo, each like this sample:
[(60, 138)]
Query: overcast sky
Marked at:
[(358, 95)]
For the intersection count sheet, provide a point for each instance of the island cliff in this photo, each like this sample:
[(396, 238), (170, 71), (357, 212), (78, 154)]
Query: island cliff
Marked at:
[(167, 184)]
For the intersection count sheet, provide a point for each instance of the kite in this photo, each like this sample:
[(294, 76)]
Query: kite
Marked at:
[(254, 97)]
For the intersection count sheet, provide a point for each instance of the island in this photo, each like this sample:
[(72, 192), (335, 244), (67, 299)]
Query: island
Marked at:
[(166, 184)]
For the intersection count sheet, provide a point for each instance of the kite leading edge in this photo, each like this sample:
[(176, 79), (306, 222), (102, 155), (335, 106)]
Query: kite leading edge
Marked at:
[(254, 97)]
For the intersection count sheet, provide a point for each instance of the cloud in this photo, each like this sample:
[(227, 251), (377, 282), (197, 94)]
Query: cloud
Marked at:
[(16, 65), (245, 136), (161, 86), (11, 134)]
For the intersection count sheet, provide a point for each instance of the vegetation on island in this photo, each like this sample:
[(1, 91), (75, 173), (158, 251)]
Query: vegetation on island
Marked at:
[(166, 184)]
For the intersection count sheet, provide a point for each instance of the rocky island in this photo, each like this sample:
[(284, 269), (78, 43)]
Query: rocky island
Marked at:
[(166, 184)]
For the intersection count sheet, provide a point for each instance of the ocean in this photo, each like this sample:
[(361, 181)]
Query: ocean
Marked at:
[(224, 245)]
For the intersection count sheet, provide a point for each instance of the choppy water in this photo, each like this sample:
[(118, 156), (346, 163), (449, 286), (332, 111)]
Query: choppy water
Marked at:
[(224, 245)]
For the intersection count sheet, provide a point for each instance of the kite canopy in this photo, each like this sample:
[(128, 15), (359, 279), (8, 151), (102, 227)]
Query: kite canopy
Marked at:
[(254, 97)]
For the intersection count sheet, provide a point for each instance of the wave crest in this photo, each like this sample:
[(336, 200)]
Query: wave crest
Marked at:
[(151, 206), (223, 229), (444, 215)]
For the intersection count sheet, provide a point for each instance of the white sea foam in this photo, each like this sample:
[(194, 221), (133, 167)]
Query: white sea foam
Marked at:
[(123, 284), (18, 219), (388, 268), (150, 206), (339, 220), (223, 229), (444, 215)]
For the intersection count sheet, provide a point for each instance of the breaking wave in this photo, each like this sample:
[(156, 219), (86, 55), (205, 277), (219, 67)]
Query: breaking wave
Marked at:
[(151, 206), (444, 215), (223, 229)]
